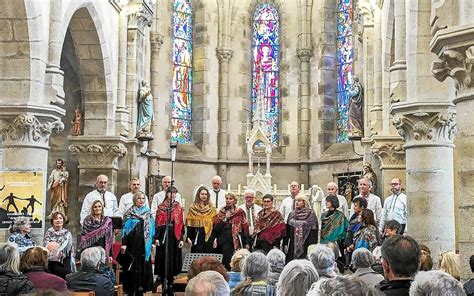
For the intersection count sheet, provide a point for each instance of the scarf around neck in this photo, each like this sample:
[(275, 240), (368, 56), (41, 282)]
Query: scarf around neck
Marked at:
[(270, 225), (236, 219), (177, 215), (93, 230), (132, 218), (303, 220), (62, 237), (201, 215)]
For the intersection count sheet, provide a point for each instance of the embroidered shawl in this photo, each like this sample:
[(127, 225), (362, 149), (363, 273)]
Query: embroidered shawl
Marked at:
[(93, 230), (333, 227), (63, 237), (270, 225), (303, 220), (132, 218), (236, 217), (201, 215), (177, 215)]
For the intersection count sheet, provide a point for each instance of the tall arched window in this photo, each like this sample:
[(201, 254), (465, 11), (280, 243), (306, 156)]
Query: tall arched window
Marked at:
[(265, 66), (345, 57), (182, 22)]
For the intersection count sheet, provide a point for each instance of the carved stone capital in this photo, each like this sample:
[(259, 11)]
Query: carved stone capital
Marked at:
[(365, 12), (98, 154), (455, 50), (140, 16), (224, 54), (435, 128), (156, 40), (28, 130), (304, 54), (390, 153)]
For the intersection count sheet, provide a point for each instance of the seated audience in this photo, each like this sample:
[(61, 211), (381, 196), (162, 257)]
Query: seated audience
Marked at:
[(449, 263), (236, 264), (392, 227), (469, 285), (207, 263), (324, 261), (341, 285), (363, 260), (297, 278), (55, 266), (340, 262), (34, 264), (426, 259), (276, 262), (57, 233), (255, 272), (435, 283), (89, 278), (209, 283), (400, 262), (377, 266), (20, 234), (104, 268), (12, 281)]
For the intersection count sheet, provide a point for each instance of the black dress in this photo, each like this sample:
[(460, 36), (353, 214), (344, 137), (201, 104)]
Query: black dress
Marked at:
[(174, 253), (225, 243), (199, 245), (290, 235), (139, 279)]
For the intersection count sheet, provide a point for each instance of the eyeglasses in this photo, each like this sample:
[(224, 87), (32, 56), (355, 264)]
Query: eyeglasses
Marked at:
[(267, 201), (394, 184)]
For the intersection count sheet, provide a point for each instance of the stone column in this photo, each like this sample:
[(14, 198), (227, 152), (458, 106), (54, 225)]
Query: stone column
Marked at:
[(455, 49), (304, 54), (376, 109), (399, 66), (122, 113)]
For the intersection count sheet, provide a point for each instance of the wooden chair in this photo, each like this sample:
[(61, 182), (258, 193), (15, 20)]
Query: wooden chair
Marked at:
[(119, 290), (82, 293)]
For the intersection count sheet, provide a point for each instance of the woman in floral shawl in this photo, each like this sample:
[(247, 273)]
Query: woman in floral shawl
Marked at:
[(137, 239), (270, 227), (199, 222), (97, 229), (175, 236), (333, 222), (231, 230), (57, 233), (368, 235), (301, 229)]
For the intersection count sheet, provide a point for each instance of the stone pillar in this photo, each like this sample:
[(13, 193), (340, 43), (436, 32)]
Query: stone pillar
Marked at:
[(427, 130), (304, 54), (455, 49), (376, 109), (399, 66), (224, 55), (122, 112)]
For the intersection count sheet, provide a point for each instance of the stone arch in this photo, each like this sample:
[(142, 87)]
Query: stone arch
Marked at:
[(93, 54)]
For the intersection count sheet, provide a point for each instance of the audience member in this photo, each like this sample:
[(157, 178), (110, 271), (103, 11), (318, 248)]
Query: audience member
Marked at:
[(89, 278), (469, 285), (20, 234), (236, 265), (296, 278), (54, 260), (12, 281), (276, 262), (377, 266), (392, 227), (368, 235), (209, 283), (400, 261), (449, 263), (207, 263), (270, 227), (435, 283), (107, 198), (217, 194), (34, 264), (255, 272), (324, 261), (104, 268), (57, 233), (362, 260), (425, 259), (341, 286)]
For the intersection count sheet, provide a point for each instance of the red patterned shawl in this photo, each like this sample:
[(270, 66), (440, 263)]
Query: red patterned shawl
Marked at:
[(237, 218), (270, 225), (177, 216)]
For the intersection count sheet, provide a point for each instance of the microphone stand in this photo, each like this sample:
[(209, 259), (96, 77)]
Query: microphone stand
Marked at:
[(166, 289)]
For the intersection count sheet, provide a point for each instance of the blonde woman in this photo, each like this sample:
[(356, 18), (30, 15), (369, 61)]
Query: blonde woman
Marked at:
[(449, 263)]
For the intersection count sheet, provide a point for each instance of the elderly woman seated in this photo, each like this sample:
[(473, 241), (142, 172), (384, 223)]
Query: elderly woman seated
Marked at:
[(20, 234), (363, 260), (276, 261), (207, 263), (236, 264), (342, 285), (324, 261), (297, 278), (435, 283), (55, 266), (255, 272), (13, 281), (89, 278), (208, 283)]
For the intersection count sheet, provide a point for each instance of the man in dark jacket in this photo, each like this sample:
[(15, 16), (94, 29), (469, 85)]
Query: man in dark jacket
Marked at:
[(400, 262), (89, 278), (469, 285)]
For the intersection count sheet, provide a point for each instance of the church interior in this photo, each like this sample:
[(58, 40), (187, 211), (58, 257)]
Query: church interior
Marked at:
[(259, 92)]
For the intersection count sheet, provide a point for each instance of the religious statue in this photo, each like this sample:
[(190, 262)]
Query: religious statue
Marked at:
[(370, 174), (356, 122), (57, 183), (76, 122), (348, 192), (145, 112)]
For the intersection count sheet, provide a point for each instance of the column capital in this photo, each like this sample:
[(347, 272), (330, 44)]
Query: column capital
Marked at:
[(156, 40), (390, 151), (425, 124), (365, 12), (95, 152), (140, 15), (304, 54), (224, 54)]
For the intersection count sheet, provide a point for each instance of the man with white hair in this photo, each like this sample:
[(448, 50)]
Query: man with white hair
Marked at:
[(435, 283), (288, 203), (217, 194), (210, 283), (332, 189), (159, 197), (126, 200), (250, 208), (324, 261), (107, 198), (373, 201), (88, 278)]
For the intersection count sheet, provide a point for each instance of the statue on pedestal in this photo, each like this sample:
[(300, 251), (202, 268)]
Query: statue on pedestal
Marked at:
[(76, 122), (370, 175), (145, 112), (356, 121), (57, 182)]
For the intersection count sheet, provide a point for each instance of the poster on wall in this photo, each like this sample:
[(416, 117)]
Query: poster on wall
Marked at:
[(21, 194)]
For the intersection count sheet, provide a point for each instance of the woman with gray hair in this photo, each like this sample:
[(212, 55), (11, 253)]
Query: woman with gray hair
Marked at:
[(324, 261), (342, 285), (20, 234), (13, 282), (363, 260), (435, 283), (296, 278), (276, 261), (255, 272)]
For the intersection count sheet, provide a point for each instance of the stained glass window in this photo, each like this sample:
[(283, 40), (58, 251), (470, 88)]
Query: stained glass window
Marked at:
[(182, 22), (345, 56), (265, 66)]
